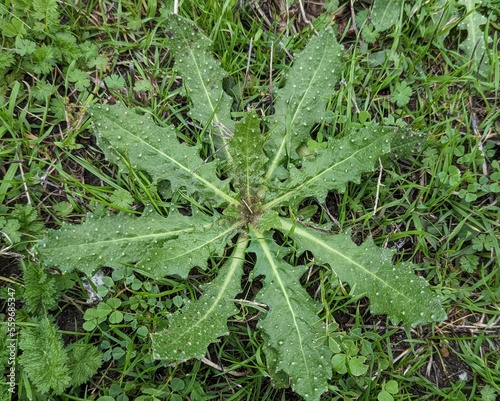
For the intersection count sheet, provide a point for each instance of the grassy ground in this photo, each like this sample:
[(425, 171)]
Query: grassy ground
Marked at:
[(438, 206)]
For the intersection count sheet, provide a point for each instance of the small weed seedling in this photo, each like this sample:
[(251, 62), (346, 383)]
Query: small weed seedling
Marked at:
[(242, 201)]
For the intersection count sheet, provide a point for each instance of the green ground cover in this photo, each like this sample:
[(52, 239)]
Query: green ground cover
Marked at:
[(431, 67)]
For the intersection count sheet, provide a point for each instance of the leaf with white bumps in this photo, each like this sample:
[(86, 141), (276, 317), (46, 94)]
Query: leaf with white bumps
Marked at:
[(201, 322), (188, 249), (125, 135), (247, 151), (344, 160), (474, 46), (201, 73), (393, 290), (385, 13), (115, 240), (265, 178), (302, 102), (295, 336)]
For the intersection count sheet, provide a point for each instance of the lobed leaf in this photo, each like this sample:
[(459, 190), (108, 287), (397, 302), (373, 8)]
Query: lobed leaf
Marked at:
[(474, 46), (393, 290), (344, 160), (116, 240), (201, 73), (295, 336), (44, 358), (41, 293), (247, 151), (406, 143), (200, 323), (385, 13), (84, 361), (125, 135), (188, 249), (302, 102)]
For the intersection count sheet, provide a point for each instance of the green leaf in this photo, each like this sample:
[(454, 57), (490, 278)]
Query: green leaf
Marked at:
[(177, 384), (103, 309), (488, 393), (63, 209), (115, 81), (474, 46), (84, 360), (344, 160), (393, 290), (42, 60), (98, 62), (89, 325), (14, 28), (6, 60), (292, 328), (357, 365), (405, 143), (118, 353), (142, 331), (24, 46), (44, 358), (302, 102), (279, 377), (391, 387), (115, 317), (142, 86), (11, 230), (246, 149), (113, 302), (47, 12), (201, 73), (115, 240), (126, 136), (121, 199), (201, 322), (385, 14), (469, 263), (40, 293), (79, 78), (339, 363), (370, 35), (385, 396), (189, 249), (66, 47), (401, 94), (5, 341)]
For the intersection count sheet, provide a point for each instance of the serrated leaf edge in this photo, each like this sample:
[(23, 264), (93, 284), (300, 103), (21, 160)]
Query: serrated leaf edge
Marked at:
[(277, 276), (291, 192), (291, 227), (289, 121), (236, 261), (172, 160)]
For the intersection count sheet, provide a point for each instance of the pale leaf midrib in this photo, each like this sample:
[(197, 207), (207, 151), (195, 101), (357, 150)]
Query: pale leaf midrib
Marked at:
[(277, 156), (282, 287), (207, 93), (236, 261), (287, 225), (213, 188), (299, 187), (164, 234), (205, 243)]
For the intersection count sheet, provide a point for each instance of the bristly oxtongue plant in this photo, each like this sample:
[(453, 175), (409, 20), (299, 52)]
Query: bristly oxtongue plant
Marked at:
[(266, 180)]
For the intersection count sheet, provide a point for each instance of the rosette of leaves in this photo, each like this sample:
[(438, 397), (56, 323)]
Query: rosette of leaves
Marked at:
[(235, 214)]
